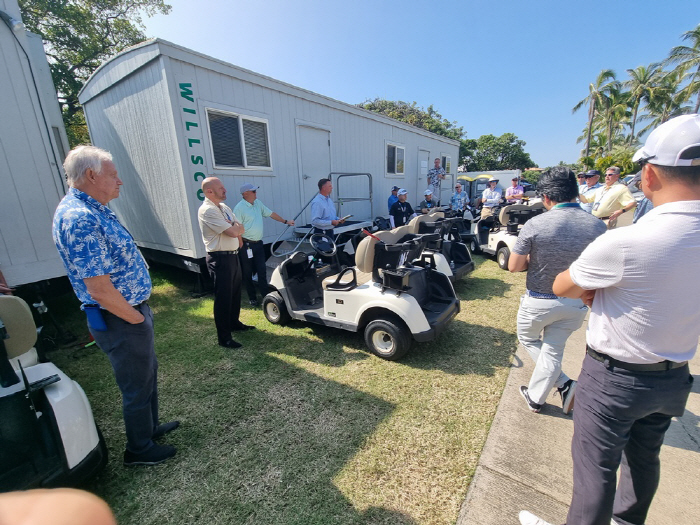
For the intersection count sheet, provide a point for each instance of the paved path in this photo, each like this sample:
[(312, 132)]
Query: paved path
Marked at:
[(526, 462)]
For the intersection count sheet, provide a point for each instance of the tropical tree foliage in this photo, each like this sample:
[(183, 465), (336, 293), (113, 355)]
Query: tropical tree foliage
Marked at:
[(78, 36), (650, 96), (506, 152), (427, 119)]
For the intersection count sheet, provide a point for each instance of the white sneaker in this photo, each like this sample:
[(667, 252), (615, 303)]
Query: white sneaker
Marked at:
[(528, 518)]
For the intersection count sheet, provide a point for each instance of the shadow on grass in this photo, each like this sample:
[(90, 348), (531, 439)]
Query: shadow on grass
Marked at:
[(261, 440)]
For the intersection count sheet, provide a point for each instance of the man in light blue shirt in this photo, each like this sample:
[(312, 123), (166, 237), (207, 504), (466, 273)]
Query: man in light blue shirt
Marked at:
[(323, 215), (588, 190), (250, 212)]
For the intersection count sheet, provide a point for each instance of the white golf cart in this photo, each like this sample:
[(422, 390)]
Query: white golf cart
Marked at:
[(48, 437), (392, 301), (497, 233), (450, 254)]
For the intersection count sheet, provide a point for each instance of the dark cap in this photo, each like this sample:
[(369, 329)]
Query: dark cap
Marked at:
[(395, 188), (592, 173)]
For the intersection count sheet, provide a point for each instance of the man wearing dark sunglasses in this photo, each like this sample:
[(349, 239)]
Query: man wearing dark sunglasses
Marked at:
[(250, 212)]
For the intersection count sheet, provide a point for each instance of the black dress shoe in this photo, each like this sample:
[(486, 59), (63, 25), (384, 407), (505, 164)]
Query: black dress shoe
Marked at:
[(163, 429), (230, 344), (153, 456), (240, 327)]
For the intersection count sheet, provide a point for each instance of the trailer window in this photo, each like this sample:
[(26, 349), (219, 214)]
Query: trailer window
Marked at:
[(238, 141), (395, 159), (447, 163)]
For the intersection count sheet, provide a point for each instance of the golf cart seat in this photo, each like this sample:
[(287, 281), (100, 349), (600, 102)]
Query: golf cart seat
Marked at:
[(515, 215), (19, 323), (425, 223)]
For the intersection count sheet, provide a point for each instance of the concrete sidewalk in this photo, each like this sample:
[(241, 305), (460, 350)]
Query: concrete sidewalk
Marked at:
[(526, 462)]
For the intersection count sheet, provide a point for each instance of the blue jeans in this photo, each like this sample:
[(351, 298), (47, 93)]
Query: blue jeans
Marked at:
[(544, 325), (620, 419), (130, 349)]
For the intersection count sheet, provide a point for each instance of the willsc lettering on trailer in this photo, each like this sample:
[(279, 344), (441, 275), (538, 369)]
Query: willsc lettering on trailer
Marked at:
[(195, 153)]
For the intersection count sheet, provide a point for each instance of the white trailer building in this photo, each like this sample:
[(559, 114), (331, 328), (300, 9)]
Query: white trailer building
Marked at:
[(33, 144), (171, 116)]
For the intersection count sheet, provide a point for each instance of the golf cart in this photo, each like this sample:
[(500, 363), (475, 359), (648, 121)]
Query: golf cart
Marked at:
[(48, 437), (392, 301), (450, 254), (497, 233)]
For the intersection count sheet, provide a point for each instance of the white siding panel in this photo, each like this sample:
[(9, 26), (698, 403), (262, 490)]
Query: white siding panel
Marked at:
[(133, 120), (120, 67), (30, 179)]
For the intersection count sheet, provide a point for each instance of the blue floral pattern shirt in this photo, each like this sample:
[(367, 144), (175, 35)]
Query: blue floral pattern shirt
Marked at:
[(92, 242), (458, 200)]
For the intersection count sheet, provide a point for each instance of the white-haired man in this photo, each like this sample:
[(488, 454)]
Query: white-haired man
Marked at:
[(643, 328), (110, 277)]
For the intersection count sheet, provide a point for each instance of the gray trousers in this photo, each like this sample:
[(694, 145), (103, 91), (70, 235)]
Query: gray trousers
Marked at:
[(130, 349), (620, 419), (544, 325)]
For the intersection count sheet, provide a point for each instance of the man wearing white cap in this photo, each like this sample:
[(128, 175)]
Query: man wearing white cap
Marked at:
[(427, 203), (490, 198), (250, 212), (401, 211), (644, 327)]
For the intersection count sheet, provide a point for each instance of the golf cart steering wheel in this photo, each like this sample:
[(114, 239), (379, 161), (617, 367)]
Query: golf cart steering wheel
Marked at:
[(323, 244)]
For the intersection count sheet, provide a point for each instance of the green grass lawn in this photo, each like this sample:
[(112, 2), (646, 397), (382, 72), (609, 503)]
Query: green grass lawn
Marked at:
[(303, 425)]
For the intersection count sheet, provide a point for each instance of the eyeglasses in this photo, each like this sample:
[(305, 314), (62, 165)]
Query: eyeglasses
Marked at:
[(581, 176), (645, 160), (458, 187)]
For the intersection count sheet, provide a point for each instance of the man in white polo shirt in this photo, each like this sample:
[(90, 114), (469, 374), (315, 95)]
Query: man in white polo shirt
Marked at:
[(643, 328)]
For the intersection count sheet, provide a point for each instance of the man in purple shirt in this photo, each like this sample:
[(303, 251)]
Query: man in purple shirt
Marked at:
[(515, 193)]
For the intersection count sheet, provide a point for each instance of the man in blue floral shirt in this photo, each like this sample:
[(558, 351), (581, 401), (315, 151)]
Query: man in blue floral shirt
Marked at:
[(459, 200), (435, 178), (110, 277)]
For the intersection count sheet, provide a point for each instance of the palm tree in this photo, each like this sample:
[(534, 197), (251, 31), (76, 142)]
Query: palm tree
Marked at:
[(643, 82), (595, 100), (688, 60), (615, 114), (667, 102)]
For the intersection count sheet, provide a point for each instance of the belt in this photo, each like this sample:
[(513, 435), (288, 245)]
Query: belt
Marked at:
[(137, 306), (663, 366), (604, 218), (538, 295), (251, 242), (230, 252)]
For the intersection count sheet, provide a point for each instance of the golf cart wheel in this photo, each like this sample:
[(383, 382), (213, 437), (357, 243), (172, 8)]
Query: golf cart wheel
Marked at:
[(474, 247), (502, 257), (274, 308), (386, 339)]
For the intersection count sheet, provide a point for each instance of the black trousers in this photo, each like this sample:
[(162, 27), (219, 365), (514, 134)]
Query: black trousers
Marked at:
[(254, 265), (225, 270), (620, 418)]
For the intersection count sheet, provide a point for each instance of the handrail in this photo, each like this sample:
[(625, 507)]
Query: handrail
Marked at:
[(279, 237), (338, 203)]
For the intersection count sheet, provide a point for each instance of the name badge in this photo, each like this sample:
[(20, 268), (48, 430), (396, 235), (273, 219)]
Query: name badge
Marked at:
[(250, 253), (596, 206)]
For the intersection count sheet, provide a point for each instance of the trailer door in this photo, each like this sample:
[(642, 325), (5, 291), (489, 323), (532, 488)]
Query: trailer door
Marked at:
[(315, 160)]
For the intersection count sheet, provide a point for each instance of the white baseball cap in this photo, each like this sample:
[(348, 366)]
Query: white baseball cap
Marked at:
[(673, 143), (428, 192), (493, 179), (402, 192)]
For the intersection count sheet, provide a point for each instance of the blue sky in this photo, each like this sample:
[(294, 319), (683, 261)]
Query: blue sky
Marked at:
[(493, 66)]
